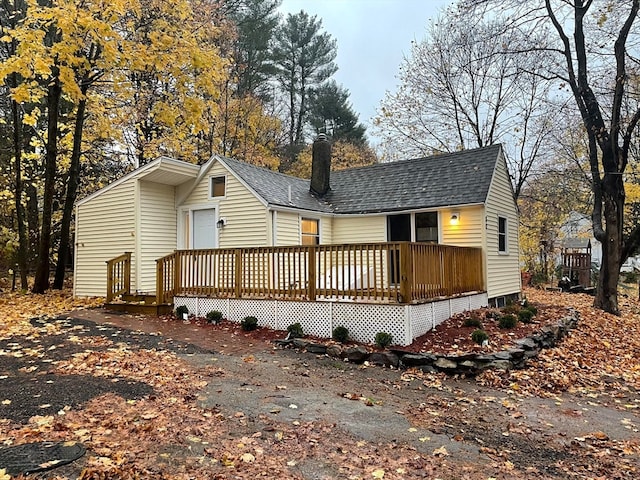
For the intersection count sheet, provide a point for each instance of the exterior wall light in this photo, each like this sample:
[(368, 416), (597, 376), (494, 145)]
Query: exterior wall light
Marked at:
[(455, 218), (221, 223)]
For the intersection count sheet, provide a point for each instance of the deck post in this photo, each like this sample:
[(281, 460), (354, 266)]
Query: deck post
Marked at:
[(159, 281), (406, 273), (311, 285), (127, 273), (238, 273), (177, 272)]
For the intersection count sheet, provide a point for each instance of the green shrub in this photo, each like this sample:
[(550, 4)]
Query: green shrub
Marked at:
[(214, 316), (249, 323), (295, 330), (511, 309), (532, 309), (525, 315), (340, 334), (630, 277), (383, 339), (472, 322), (181, 310), (479, 336), (507, 321)]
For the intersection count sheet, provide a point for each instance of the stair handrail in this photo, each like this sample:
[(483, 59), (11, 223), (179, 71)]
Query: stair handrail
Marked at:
[(166, 278), (118, 276)]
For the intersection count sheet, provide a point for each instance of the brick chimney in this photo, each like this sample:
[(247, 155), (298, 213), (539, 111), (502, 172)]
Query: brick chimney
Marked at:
[(320, 165)]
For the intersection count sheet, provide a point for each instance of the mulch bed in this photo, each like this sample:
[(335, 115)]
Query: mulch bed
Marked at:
[(450, 337)]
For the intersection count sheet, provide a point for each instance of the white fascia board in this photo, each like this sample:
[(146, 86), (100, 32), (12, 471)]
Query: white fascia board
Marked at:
[(141, 172)]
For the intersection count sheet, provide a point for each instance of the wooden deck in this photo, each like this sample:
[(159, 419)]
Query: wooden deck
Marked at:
[(391, 273)]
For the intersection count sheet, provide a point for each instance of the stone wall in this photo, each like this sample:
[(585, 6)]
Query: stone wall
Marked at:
[(468, 364)]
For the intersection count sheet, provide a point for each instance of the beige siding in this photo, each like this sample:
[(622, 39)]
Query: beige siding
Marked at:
[(246, 216), (467, 232), (359, 229), (326, 230), (287, 228), (157, 229), (105, 228), (502, 270)]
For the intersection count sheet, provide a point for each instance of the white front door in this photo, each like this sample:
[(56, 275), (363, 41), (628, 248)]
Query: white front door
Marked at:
[(204, 228)]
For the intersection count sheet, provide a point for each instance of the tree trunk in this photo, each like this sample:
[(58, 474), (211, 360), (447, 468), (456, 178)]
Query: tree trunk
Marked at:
[(41, 282), (33, 224), (70, 199), (17, 152), (607, 292)]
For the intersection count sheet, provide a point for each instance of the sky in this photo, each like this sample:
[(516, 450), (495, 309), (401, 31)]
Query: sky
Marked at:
[(373, 36)]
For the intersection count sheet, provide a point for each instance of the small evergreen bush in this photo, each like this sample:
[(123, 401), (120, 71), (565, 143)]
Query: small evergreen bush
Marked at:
[(511, 309), (214, 317), (181, 310), (525, 315), (295, 330), (532, 309), (472, 322), (249, 323), (383, 339), (507, 321), (340, 334), (479, 336)]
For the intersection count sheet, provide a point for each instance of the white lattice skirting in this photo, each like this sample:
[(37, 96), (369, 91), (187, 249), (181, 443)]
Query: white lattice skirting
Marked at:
[(364, 320)]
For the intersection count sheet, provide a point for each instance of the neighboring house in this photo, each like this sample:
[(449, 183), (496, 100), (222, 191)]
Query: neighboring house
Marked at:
[(463, 199)]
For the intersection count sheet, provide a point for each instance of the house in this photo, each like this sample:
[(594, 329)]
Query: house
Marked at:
[(463, 199)]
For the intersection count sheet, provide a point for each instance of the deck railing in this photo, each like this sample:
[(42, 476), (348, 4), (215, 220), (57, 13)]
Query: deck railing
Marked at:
[(119, 276), (392, 272)]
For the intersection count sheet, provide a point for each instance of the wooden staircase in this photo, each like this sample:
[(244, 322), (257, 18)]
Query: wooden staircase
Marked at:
[(119, 296), (139, 304)]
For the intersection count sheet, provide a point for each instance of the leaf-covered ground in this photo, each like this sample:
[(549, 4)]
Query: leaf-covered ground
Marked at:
[(177, 410)]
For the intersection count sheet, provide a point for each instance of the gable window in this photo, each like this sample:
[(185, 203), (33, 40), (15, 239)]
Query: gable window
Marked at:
[(502, 235), (218, 187), (427, 227), (310, 229)]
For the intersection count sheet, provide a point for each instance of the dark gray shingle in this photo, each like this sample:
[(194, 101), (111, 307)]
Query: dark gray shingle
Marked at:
[(460, 178)]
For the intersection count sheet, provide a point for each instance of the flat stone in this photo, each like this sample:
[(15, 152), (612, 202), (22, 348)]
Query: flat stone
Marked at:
[(416, 359), (504, 355), (316, 348), (500, 365), (300, 343), (387, 359), (356, 354), (334, 351), (469, 364), (527, 343), (516, 353), (445, 364)]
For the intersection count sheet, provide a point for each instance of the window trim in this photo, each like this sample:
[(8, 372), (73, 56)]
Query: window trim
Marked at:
[(318, 236), (504, 235), (211, 195), (414, 227)]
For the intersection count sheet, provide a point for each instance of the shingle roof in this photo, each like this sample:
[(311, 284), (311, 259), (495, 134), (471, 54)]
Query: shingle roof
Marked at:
[(460, 178), (277, 188)]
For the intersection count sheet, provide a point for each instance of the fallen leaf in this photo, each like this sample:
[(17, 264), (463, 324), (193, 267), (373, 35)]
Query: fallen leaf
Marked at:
[(441, 452), (247, 458)]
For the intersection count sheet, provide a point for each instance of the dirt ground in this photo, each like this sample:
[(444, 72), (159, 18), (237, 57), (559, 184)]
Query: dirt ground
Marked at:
[(160, 398)]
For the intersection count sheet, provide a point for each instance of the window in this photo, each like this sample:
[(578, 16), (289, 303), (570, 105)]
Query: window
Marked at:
[(310, 228), (218, 187), (427, 227), (502, 235)]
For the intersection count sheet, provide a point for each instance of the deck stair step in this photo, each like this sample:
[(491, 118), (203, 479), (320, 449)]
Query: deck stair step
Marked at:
[(139, 304)]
